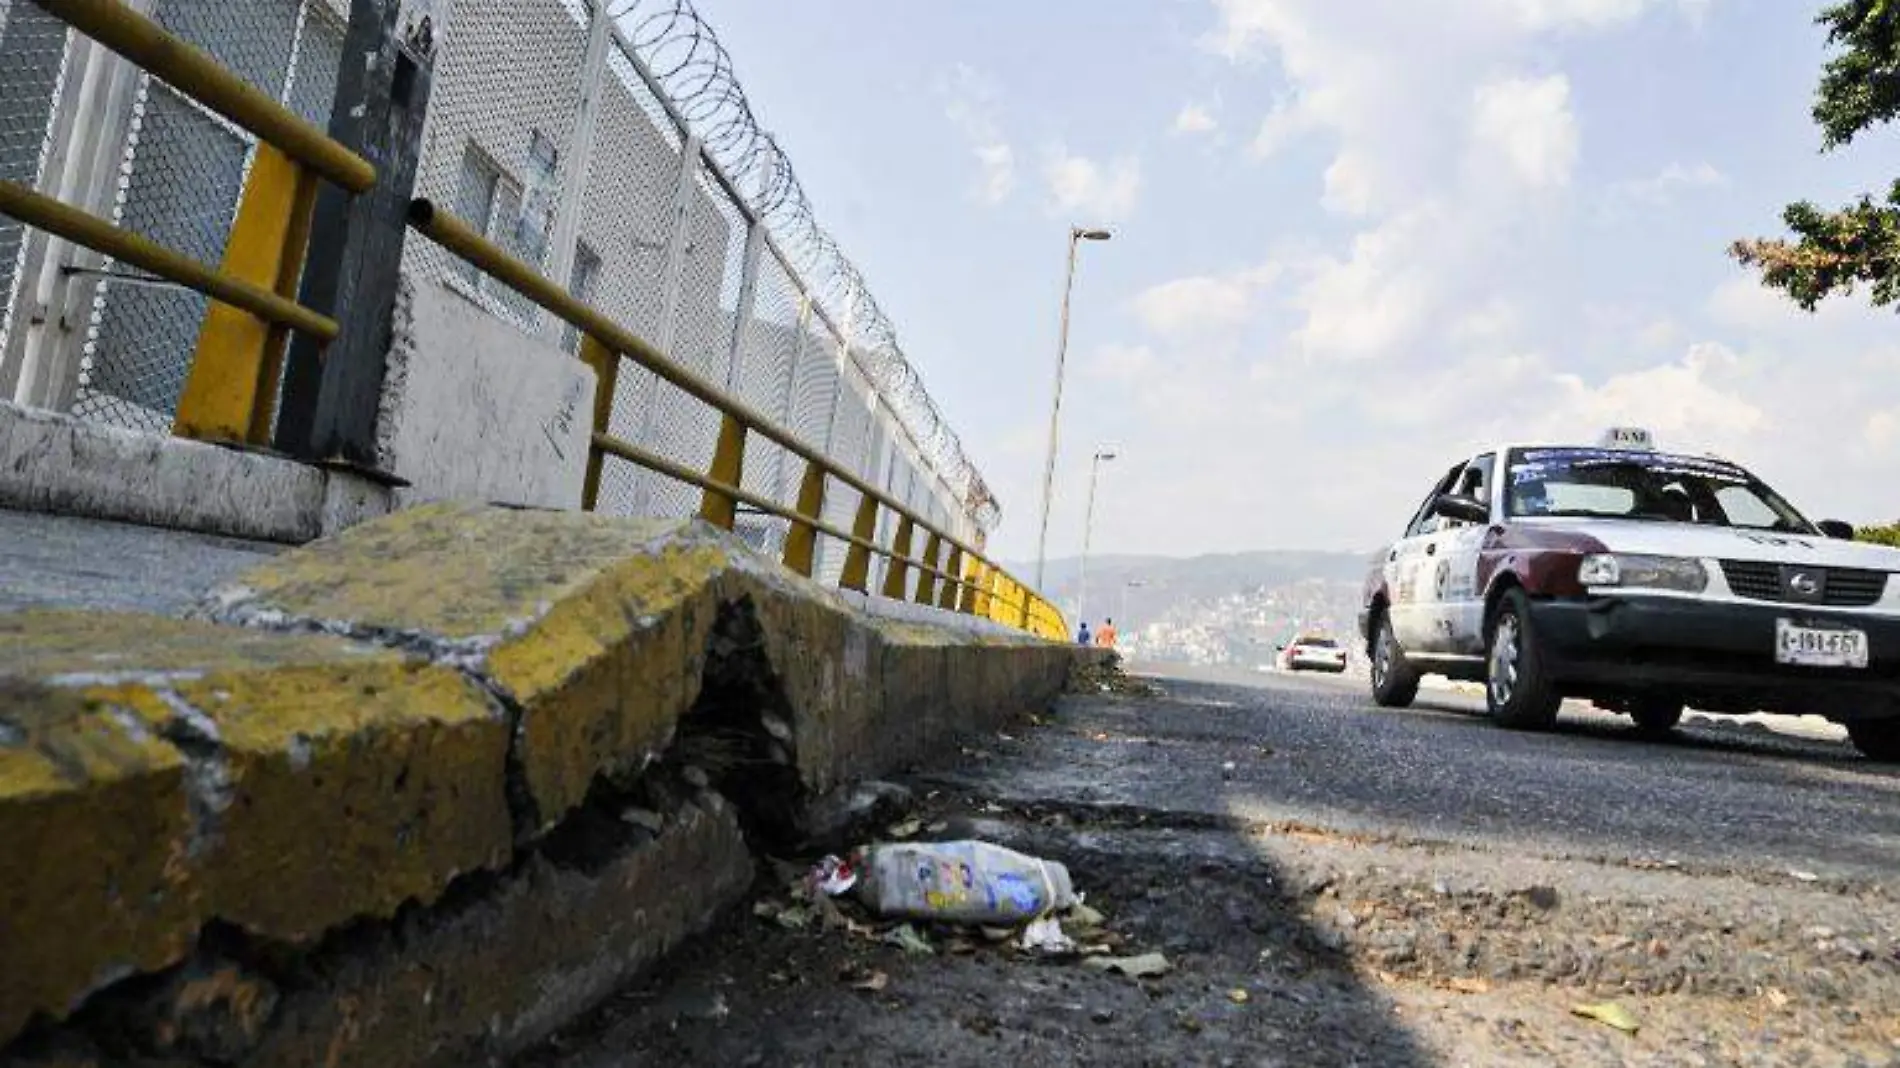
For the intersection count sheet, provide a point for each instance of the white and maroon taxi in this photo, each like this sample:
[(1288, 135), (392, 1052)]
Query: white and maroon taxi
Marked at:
[(1642, 581)]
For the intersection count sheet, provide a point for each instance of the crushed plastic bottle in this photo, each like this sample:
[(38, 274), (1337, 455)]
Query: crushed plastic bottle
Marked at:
[(961, 882)]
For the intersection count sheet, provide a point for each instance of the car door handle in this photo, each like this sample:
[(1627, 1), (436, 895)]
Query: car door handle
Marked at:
[(1431, 550)]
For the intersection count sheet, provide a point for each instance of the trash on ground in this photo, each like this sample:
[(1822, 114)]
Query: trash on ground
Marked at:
[(1608, 1012), (872, 983), (833, 876), (1046, 936), (1083, 917), (906, 829), (1804, 876), (790, 917), (1238, 995), (906, 938), (1145, 966), (646, 819), (997, 934), (961, 882)]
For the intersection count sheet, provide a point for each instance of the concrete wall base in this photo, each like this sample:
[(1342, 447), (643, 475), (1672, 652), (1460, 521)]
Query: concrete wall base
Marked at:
[(61, 465)]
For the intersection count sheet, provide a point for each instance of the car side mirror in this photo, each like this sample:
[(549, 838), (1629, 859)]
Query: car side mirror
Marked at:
[(1467, 509), (1834, 528)]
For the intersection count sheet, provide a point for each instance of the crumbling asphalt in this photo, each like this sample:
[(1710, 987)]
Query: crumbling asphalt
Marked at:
[(1334, 884)]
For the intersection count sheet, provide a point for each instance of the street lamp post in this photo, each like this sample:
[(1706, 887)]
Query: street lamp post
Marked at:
[(1076, 236), (1088, 528)]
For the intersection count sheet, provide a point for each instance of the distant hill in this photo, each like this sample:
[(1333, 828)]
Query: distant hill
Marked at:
[(1227, 608)]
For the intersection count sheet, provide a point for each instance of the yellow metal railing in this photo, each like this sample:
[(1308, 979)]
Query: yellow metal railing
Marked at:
[(230, 391), (950, 574), (235, 370)]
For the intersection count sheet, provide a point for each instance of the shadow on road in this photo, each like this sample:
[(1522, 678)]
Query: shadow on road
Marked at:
[(1253, 980)]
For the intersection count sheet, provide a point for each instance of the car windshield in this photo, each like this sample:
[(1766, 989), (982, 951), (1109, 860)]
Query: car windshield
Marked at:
[(1623, 484), (1317, 643)]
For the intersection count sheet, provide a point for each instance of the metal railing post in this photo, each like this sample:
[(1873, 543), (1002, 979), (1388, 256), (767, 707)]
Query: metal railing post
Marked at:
[(952, 599), (897, 569), (927, 575), (332, 394), (802, 540), (50, 355), (230, 392), (673, 285), (857, 559), (606, 365), (786, 391), (728, 467), (577, 160)]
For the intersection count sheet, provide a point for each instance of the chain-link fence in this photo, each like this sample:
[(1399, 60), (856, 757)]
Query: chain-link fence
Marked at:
[(611, 147), (614, 149), (71, 112)]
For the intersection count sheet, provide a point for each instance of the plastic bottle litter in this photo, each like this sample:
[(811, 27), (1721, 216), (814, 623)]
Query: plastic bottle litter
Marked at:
[(961, 882)]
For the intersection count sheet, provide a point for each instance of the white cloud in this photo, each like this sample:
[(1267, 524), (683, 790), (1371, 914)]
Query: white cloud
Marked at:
[(1526, 124), (972, 102), (998, 162), (1203, 305), (1883, 429), (1090, 192), (1195, 118), (1492, 321), (1374, 300), (1124, 363), (1665, 188), (1287, 122), (1683, 402), (1659, 334)]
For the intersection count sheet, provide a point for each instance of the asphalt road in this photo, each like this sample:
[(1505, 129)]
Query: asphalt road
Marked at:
[(1336, 884)]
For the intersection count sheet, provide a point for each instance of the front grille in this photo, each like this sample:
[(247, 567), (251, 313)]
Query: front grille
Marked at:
[(1840, 587)]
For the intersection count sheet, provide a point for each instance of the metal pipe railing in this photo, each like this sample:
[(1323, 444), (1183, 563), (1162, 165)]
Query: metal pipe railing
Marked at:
[(204, 79), (463, 241), (84, 228)]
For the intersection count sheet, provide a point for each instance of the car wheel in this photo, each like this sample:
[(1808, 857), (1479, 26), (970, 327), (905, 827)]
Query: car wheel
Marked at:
[(1877, 739), (1517, 690), (1656, 715), (1394, 681)]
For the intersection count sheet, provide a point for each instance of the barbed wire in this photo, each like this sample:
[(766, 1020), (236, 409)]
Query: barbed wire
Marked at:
[(684, 55)]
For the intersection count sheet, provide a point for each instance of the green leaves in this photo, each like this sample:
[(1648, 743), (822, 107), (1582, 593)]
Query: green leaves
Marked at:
[(1887, 535), (1837, 251), (1834, 251), (1860, 87)]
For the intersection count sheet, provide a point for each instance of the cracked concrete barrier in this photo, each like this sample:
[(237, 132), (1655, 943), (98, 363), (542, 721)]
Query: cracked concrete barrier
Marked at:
[(157, 774), (422, 792)]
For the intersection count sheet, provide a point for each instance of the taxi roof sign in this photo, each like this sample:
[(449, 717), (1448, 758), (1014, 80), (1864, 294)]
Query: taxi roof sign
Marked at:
[(1627, 437)]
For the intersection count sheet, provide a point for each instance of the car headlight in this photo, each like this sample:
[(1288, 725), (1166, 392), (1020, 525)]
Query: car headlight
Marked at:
[(1643, 572)]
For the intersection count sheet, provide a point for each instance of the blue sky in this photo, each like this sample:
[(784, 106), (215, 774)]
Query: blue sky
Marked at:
[(1354, 240)]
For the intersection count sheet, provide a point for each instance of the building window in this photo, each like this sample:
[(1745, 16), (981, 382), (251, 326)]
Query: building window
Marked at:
[(475, 199), (581, 283), (491, 201)]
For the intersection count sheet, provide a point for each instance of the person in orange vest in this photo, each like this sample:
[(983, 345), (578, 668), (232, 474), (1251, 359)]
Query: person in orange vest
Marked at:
[(1106, 636)]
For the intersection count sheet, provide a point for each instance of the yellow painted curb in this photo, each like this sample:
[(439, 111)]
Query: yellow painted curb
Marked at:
[(156, 774)]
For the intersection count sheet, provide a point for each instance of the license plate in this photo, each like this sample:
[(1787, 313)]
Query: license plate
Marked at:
[(1819, 646)]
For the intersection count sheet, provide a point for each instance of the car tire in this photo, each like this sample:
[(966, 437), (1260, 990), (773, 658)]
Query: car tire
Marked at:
[(1394, 681), (1877, 739), (1656, 716), (1518, 690)]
